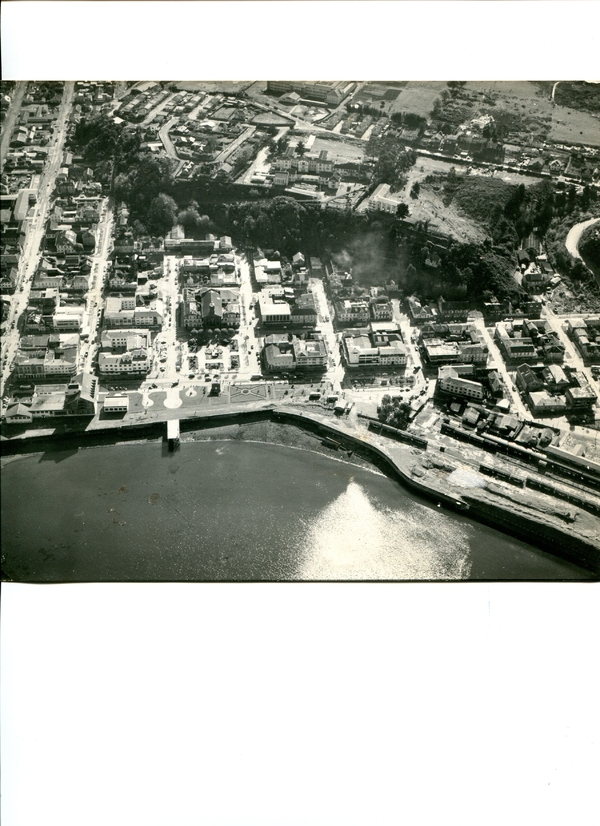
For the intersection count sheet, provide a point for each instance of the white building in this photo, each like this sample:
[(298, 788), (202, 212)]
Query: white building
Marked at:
[(374, 349), (274, 312), (451, 380), (382, 200)]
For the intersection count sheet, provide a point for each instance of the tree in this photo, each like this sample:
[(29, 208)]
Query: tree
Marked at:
[(300, 148), (162, 214), (402, 211), (416, 188)]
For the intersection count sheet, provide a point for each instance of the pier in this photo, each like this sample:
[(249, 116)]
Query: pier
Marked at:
[(173, 433)]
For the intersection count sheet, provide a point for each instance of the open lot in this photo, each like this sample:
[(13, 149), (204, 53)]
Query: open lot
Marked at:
[(339, 150), (228, 87)]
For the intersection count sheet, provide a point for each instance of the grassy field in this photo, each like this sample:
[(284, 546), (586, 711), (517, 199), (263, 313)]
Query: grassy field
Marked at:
[(575, 127), (418, 97), (533, 102)]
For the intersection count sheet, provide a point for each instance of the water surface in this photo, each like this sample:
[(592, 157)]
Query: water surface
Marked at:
[(234, 510)]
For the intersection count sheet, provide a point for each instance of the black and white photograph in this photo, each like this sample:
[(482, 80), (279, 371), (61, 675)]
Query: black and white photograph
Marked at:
[(300, 516), (300, 330)]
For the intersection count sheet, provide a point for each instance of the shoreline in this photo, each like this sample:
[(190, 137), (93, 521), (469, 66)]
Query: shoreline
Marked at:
[(547, 526)]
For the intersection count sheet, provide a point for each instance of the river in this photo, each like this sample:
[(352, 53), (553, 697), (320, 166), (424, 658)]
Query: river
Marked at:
[(239, 510)]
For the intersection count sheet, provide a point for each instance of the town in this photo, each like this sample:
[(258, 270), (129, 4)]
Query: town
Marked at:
[(414, 263)]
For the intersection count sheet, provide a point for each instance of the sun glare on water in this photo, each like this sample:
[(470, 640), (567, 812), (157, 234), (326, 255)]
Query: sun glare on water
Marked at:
[(354, 538)]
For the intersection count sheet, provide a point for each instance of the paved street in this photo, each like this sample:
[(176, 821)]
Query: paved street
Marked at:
[(11, 119), (498, 363), (97, 278), (35, 228)]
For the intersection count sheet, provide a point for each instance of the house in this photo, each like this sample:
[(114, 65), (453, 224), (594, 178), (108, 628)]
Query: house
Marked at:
[(543, 403), (527, 380), (420, 313), (298, 260), (451, 380), (18, 413)]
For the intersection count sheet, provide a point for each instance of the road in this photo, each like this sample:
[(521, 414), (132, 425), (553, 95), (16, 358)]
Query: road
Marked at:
[(516, 403), (35, 229), (166, 140), (575, 233), (158, 108), (260, 163), (222, 156), (96, 284), (10, 120)]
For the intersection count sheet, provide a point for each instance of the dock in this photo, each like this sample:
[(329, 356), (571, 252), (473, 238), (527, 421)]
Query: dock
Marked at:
[(173, 433)]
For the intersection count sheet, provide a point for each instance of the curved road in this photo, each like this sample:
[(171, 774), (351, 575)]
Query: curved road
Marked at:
[(572, 240)]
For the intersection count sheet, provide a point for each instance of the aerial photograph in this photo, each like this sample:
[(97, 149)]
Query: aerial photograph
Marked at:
[(300, 331)]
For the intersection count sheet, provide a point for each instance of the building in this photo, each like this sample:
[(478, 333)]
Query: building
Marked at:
[(125, 352), (580, 398), (374, 349), (381, 309), (330, 92), (78, 398), (278, 354), (274, 312), (310, 354), (123, 311), (527, 380), (586, 335), (451, 379), (304, 311), (287, 353), (543, 403), (351, 311), (514, 348), (382, 200), (47, 357), (419, 313), (116, 403), (456, 311)]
